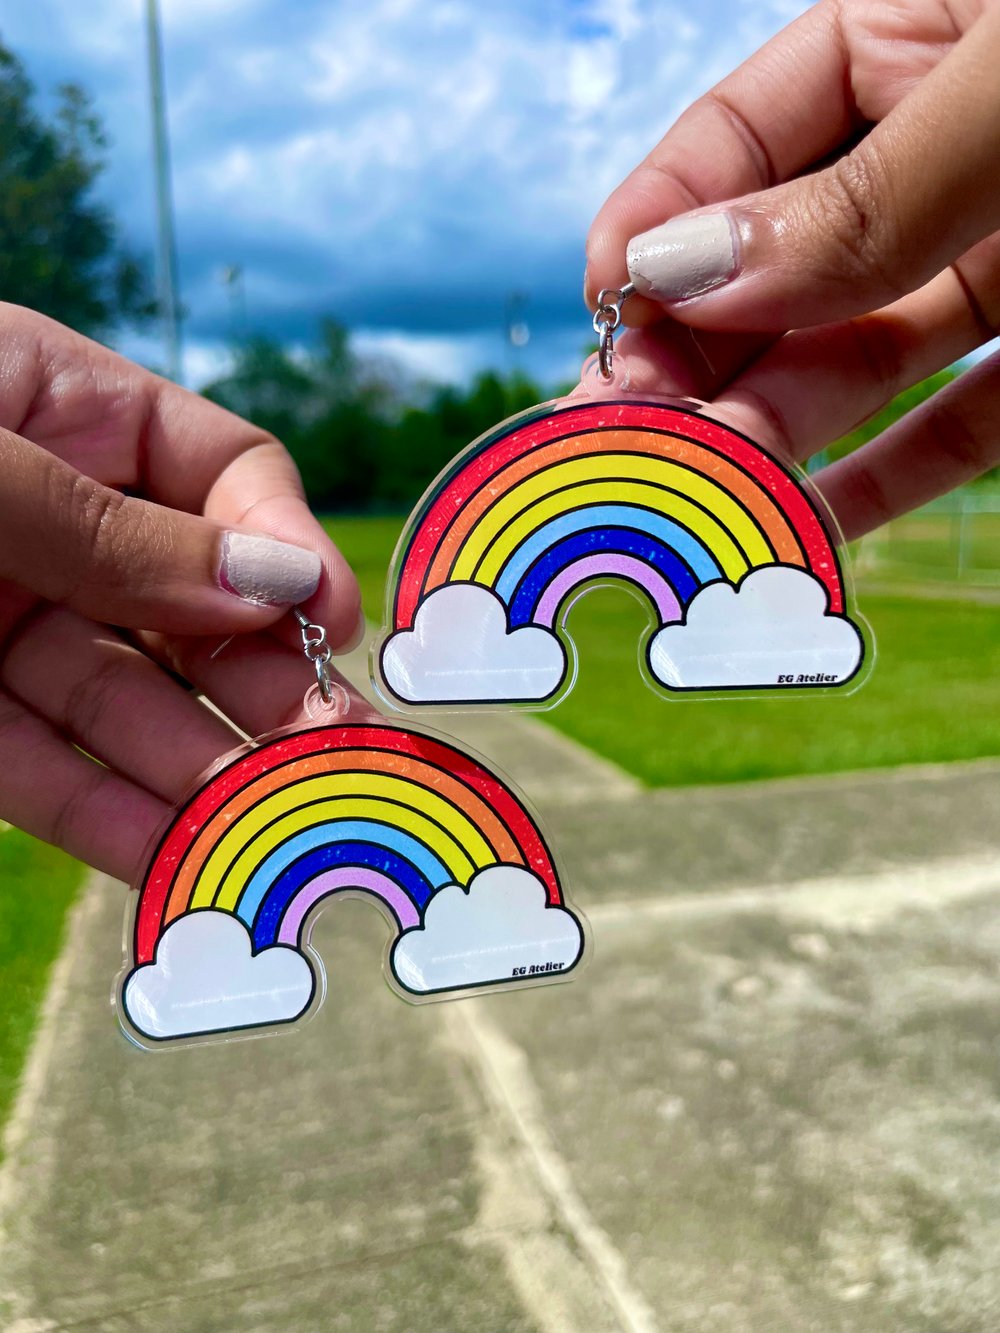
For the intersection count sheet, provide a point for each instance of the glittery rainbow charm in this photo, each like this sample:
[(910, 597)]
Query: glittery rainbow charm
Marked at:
[(727, 546), (219, 941)]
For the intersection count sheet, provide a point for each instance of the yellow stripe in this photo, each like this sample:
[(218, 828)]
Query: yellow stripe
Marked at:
[(459, 843), (343, 807), (727, 530)]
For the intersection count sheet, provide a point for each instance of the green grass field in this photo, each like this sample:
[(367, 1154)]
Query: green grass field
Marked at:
[(932, 696), (950, 549), (37, 886)]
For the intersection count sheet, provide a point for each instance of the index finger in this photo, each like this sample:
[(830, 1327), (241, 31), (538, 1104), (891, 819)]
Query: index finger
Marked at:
[(260, 488), (128, 428), (238, 474), (786, 107)]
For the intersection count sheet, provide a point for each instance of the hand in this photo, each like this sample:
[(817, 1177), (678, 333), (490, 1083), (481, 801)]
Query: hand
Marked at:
[(885, 264), (182, 568)]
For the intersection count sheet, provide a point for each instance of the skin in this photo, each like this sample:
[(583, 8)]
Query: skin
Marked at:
[(865, 197), (857, 279), (97, 742)]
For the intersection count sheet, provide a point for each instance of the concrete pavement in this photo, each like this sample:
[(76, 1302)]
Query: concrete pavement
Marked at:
[(772, 1102)]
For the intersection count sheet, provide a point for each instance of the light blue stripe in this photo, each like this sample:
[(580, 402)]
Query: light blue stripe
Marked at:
[(338, 830), (687, 546)]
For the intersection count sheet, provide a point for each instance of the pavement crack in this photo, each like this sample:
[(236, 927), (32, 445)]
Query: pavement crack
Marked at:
[(563, 1291)]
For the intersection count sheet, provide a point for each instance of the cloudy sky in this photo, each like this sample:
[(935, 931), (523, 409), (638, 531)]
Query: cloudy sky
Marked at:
[(402, 166)]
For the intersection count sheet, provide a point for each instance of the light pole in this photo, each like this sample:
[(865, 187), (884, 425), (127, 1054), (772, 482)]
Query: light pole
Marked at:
[(166, 246), (516, 331), (234, 281)]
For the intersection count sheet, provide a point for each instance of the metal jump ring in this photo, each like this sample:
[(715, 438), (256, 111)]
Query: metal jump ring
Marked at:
[(317, 651), (607, 318), (323, 678), (606, 351)]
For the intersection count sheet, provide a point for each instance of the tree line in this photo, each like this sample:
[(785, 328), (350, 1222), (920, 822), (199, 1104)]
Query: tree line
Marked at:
[(364, 437)]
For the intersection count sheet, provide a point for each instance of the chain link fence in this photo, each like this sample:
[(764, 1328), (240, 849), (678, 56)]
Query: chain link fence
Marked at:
[(956, 539)]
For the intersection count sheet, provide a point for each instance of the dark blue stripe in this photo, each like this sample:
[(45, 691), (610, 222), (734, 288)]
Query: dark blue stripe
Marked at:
[(619, 541), (299, 873)]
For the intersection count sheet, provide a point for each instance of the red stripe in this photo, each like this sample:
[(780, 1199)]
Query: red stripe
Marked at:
[(189, 821), (492, 457)]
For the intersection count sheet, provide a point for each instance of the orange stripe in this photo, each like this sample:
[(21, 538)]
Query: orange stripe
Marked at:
[(749, 492), (479, 812)]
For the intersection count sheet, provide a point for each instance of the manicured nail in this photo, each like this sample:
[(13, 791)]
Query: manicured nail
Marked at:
[(261, 570), (684, 257)]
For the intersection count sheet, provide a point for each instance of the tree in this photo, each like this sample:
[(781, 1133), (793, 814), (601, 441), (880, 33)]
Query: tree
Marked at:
[(327, 407), (426, 439), (59, 249)]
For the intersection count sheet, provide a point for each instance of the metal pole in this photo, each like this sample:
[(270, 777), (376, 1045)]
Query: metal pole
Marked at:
[(964, 544), (515, 326), (166, 245), (235, 283)]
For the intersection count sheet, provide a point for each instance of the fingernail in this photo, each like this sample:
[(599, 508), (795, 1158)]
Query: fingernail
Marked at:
[(684, 257), (259, 569)]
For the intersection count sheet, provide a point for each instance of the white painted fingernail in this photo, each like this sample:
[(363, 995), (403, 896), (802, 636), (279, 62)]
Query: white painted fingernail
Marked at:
[(684, 257), (259, 569)]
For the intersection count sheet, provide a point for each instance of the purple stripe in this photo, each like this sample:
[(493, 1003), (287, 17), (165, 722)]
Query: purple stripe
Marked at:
[(346, 877), (594, 566)]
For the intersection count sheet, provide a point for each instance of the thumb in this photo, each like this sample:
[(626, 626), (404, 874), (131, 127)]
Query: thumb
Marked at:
[(912, 197), (128, 562)]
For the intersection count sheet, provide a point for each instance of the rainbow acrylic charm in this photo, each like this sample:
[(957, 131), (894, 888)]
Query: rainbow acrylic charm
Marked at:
[(730, 548), (217, 940)]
